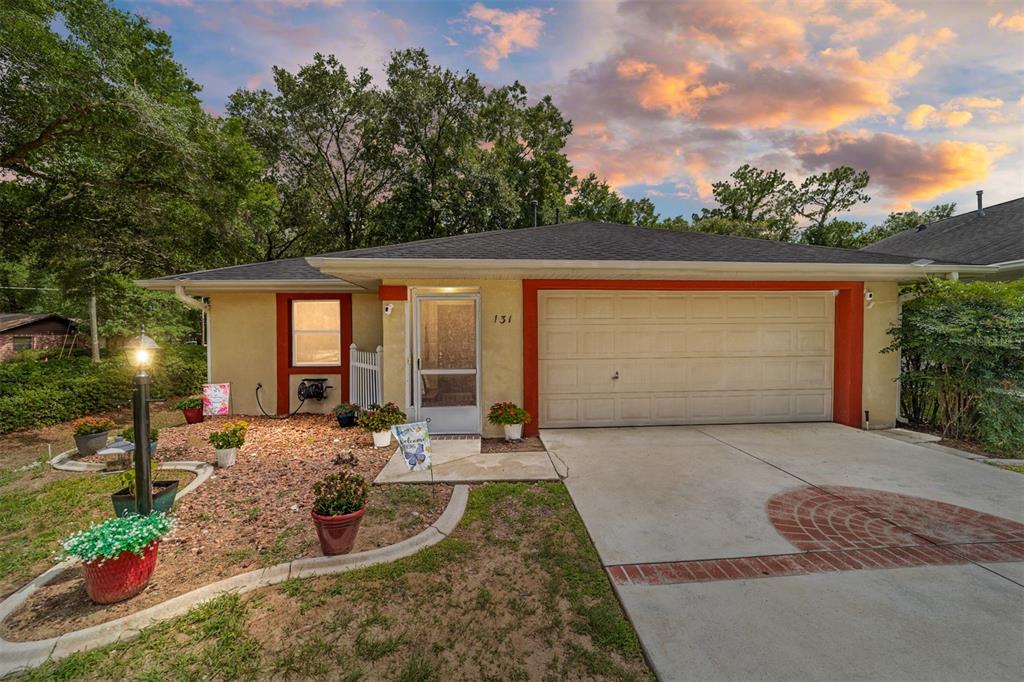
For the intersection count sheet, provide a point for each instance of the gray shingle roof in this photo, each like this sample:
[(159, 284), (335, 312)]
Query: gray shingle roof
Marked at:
[(612, 242), (9, 321), (593, 241), (996, 237), (286, 268)]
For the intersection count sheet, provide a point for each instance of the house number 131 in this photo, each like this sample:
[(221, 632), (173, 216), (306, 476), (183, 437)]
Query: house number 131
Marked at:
[(502, 319)]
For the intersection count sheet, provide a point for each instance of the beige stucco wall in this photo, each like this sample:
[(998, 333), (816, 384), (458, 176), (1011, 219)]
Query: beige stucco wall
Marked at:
[(325, 406), (501, 343), (881, 369), (367, 324), (243, 348)]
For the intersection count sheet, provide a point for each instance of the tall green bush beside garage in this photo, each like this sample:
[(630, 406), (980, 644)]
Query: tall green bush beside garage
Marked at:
[(36, 390), (962, 349)]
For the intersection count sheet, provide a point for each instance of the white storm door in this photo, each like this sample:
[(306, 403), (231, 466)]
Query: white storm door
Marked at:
[(446, 361)]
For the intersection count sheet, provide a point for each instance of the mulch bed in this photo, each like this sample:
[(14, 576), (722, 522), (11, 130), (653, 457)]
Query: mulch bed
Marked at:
[(528, 444), (248, 516)]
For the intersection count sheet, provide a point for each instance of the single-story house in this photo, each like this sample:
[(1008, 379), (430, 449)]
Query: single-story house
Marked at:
[(990, 235), (583, 324), (28, 331)]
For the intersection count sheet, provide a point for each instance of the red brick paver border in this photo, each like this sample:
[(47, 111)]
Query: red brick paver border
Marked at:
[(840, 528)]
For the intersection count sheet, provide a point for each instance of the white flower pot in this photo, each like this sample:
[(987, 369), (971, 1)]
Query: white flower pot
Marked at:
[(513, 431), (226, 457), (382, 439)]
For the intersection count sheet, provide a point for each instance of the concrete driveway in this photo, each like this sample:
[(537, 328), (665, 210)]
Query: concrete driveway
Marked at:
[(804, 551)]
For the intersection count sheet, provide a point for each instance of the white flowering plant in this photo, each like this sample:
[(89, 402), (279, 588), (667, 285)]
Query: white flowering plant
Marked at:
[(107, 540)]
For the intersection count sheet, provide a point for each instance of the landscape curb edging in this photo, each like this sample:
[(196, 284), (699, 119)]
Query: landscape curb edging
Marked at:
[(16, 656), (202, 470)]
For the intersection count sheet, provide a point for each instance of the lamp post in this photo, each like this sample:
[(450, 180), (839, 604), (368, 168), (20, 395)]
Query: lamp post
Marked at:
[(142, 355)]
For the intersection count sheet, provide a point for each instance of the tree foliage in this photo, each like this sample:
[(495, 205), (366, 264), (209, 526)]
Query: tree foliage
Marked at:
[(962, 348)]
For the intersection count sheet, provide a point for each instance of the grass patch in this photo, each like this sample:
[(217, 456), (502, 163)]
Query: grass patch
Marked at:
[(1019, 468), (516, 593), (34, 521)]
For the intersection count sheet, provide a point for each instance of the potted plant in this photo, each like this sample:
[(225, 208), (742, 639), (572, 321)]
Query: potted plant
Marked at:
[(227, 441), (192, 408), (346, 414), (510, 416), (164, 493), (154, 433), (378, 420), (338, 508), (91, 434), (118, 556)]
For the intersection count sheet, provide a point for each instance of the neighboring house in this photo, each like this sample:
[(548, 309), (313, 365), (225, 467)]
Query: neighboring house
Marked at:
[(27, 331), (991, 235), (584, 324)]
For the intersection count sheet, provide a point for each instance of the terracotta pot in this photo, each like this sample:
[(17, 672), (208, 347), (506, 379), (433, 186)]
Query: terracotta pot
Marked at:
[(163, 498), (337, 533), (193, 415), (381, 439), (513, 431), (226, 457), (124, 576), (92, 443)]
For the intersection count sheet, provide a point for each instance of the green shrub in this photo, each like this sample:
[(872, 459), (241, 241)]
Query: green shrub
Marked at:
[(962, 348), (39, 391), (381, 418), (132, 533), (231, 436)]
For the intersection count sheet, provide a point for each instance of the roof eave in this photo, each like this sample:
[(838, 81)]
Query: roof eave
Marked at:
[(362, 269), (199, 286)]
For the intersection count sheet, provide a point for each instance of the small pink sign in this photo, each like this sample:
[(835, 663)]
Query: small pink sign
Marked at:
[(216, 399)]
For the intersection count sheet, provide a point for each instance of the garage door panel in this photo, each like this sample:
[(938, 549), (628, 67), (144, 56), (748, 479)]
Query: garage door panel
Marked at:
[(684, 357)]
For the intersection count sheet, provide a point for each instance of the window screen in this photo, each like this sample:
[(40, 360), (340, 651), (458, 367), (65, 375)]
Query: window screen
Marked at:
[(316, 333)]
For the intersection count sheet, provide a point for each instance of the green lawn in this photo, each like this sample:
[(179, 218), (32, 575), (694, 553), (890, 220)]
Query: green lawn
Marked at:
[(37, 512), (516, 593)]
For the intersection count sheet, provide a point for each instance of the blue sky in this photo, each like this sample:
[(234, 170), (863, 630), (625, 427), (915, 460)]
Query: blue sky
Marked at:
[(669, 97)]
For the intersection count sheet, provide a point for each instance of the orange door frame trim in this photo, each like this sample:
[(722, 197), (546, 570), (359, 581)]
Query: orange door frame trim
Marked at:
[(285, 369), (848, 371)]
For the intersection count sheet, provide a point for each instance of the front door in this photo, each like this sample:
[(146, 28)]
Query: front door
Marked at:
[(446, 353)]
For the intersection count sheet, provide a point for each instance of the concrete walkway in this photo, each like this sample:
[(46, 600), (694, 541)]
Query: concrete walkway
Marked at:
[(679, 514), (460, 461)]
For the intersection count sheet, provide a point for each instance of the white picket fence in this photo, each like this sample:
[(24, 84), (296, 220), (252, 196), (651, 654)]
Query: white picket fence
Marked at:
[(365, 380)]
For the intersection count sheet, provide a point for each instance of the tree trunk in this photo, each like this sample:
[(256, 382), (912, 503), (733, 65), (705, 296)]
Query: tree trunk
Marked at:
[(93, 329)]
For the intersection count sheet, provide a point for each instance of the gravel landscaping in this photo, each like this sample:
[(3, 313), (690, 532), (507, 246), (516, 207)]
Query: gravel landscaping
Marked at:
[(251, 515)]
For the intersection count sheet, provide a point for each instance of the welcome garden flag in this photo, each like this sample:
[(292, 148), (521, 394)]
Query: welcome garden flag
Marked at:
[(414, 440)]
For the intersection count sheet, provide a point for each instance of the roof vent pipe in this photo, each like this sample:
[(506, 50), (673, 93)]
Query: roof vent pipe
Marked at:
[(558, 216), (981, 208), (534, 204)]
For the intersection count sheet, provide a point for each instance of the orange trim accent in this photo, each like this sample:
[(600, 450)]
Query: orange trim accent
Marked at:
[(284, 345), (393, 292), (848, 371)]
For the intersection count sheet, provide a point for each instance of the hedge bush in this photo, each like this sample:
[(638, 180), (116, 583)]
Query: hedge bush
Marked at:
[(962, 349), (37, 391)]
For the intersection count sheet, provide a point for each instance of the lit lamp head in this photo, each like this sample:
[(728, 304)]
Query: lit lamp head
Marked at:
[(142, 350)]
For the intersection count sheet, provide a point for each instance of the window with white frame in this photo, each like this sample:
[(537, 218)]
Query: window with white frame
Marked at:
[(316, 333)]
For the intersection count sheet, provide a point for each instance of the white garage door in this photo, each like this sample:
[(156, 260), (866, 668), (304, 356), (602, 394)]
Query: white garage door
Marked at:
[(611, 358)]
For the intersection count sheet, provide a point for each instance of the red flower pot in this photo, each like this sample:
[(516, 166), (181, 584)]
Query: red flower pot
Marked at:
[(124, 576), (337, 533), (193, 415)]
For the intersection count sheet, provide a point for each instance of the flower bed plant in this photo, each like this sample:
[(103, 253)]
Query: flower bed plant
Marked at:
[(88, 426), (507, 414), (381, 418), (338, 510), (340, 493), (119, 555), (346, 414), (190, 403), (231, 436), (113, 537), (129, 434)]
